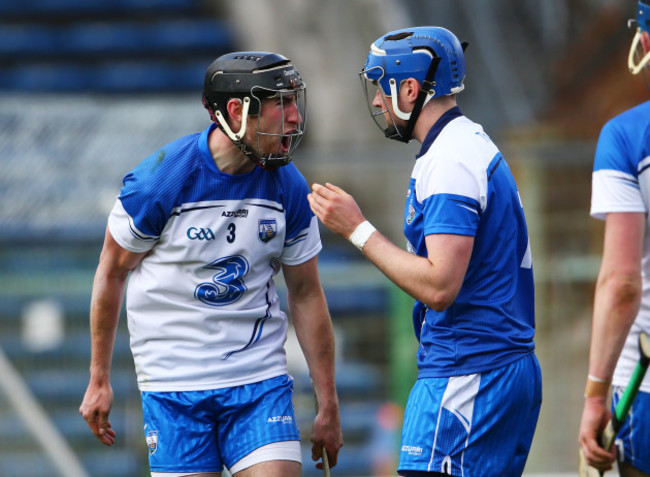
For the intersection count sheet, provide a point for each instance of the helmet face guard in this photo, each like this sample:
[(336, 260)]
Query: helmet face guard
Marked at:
[(431, 55), (259, 81), (637, 59), (380, 115), (293, 101), (371, 81)]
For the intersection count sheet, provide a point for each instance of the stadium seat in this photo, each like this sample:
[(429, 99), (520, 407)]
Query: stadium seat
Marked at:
[(38, 8)]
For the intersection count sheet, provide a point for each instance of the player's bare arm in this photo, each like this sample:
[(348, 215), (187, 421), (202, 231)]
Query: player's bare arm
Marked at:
[(617, 299), (315, 334), (434, 280), (618, 290), (115, 263)]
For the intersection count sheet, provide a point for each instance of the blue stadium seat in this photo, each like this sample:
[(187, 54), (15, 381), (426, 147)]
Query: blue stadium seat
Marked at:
[(26, 40), (65, 385), (113, 39), (75, 346), (111, 57), (62, 7), (46, 77)]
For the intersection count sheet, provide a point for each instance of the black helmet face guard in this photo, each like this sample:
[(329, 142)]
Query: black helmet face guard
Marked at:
[(258, 80), (277, 135), (370, 82)]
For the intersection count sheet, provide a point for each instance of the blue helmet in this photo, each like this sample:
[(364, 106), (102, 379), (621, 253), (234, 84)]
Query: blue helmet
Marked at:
[(407, 53), (431, 55), (643, 26)]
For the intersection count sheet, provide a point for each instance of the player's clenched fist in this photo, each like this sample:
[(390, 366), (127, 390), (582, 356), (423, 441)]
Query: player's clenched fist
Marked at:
[(335, 208)]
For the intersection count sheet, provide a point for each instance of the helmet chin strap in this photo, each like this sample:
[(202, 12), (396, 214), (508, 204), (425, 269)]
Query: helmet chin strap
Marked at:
[(636, 68), (405, 134), (268, 163)]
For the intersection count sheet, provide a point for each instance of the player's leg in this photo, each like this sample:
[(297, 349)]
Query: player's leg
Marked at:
[(258, 426), (633, 439), (276, 468), (202, 474), (415, 473), (278, 459)]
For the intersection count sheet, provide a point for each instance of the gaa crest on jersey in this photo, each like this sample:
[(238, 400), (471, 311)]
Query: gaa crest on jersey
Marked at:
[(152, 441), (267, 229)]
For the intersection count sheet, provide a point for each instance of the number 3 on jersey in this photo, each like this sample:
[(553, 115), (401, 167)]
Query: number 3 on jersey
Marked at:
[(230, 238), (227, 285)]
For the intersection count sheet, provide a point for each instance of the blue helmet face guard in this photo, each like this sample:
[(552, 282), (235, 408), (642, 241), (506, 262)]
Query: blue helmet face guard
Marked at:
[(377, 103), (431, 55), (637, 59)]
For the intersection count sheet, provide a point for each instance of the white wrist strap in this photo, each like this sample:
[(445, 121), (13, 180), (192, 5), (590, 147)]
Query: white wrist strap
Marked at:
[(361, 234), (597, 380)]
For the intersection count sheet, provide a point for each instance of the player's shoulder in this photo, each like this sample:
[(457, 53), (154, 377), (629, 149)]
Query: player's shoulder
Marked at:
[(635, 117), (164, 175), (170, 161), (289, 176), (289, 171), (463, 141)]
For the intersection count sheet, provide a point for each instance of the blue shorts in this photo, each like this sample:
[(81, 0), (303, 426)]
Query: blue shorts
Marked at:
[(200, 431), (475, 425), (633, 439)]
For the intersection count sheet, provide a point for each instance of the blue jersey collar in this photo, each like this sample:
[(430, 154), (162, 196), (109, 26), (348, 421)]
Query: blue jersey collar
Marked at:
[(435, 130)]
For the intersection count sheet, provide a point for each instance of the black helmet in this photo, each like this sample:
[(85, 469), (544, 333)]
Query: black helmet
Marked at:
[(252, 76)]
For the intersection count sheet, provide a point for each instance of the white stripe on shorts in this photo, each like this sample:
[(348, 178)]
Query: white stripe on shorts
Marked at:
[(285, 450)]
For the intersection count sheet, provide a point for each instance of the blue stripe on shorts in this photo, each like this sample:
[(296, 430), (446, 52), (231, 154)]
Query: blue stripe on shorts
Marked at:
[(200, 431), (474, 425)]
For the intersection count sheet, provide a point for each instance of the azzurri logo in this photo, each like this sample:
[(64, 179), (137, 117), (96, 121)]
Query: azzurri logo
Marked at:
[(194, 233), (227, 285)]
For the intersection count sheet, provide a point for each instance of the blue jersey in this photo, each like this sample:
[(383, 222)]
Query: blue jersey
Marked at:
[(202, 305), (621, 183), (462, 185)]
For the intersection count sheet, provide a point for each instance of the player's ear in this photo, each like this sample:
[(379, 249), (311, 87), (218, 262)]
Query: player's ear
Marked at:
[(234, 108), (411, 88)]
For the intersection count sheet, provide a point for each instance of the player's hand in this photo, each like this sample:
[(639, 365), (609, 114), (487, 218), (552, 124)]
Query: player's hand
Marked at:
[(326, 433), (95, 408), (594, 419), (335, 208)]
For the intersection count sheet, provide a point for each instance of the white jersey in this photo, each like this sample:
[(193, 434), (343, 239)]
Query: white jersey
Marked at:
[(202, 307), (621, 183)]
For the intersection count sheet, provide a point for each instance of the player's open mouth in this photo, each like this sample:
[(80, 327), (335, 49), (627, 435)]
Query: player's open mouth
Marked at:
[(284, 145)]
